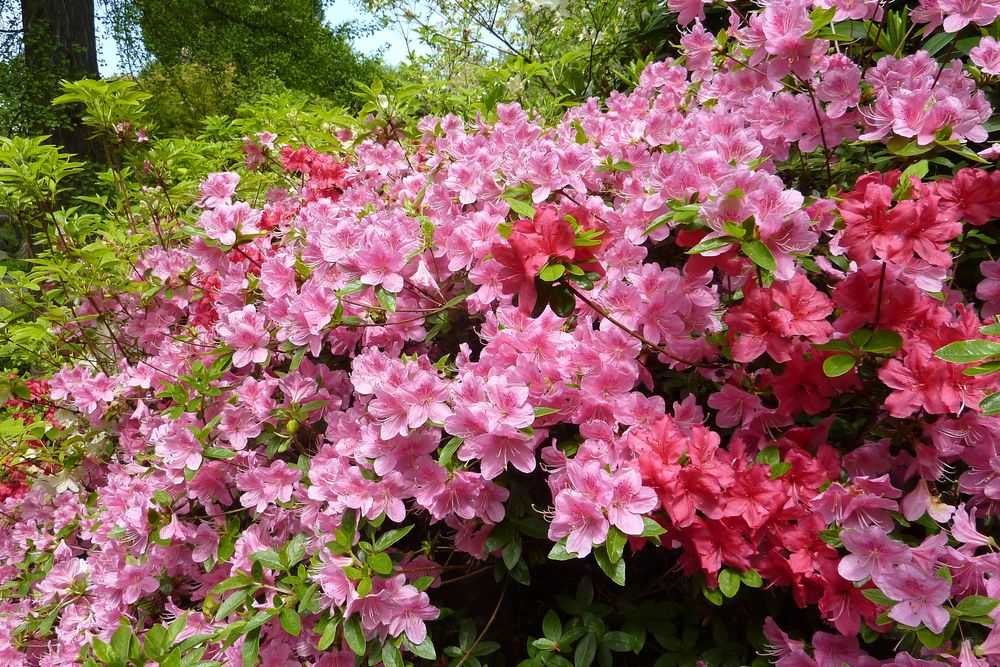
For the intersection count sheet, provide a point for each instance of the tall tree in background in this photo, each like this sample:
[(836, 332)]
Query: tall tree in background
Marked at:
[(278, 40), (55, 40)]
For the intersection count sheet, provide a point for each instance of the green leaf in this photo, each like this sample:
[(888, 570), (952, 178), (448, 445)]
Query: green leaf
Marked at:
[(355, 636), (658, 222), (981, 620), (991, 404), (218, 453), (154, 642), (838, 364), (230, 604), (290, 621), (976, 605), (391, 656), (929, 639), (820, 19), (729, 582), (760, 254), (838, 345), (390, 537), (251, 648), (779, 469), (552, 626), (559, 552), (306, 598), (831, 536), (121, 642), (751, 578), (424, 649), (904, 147), (328, 636), (543, 412), (511, 552), (585, 651), (615, 544), (523, 209), (710, 244), (938, 41), (968, 351), (916, 170), (618, 641), (562, 302), (294, 551), (961, 149), (386, 299), (239, 581), (651, 528), (297, 358), (101, 650), (713, 595), (267, 558), (883, 342), (552, 272), (984, 369), (615, 571), (173, 659), (878, 597), (381, 563), (448, 451), (769, 455)]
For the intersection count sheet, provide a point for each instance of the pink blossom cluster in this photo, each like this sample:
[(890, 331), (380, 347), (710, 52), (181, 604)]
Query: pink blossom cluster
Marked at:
[(410, 330)]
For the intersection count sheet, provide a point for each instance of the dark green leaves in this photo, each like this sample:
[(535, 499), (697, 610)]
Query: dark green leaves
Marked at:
[(267, 558), (290, 621), (355, 636), (614, 569)]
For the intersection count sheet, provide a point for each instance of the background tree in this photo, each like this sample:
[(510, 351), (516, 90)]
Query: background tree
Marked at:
[(253, 47), (547, 54), (46, 41)]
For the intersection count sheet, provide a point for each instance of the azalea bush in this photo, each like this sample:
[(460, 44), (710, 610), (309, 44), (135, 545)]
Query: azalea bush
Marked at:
[(703, 374)]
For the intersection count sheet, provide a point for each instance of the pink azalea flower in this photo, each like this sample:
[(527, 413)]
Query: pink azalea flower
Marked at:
[(986, 56), (135, 581), (239, 426), (244, 332), (964, 530), (579, 519), (176, 446), (920, 597), (218, 189), (870, 552), (266, 485), (63, 576), (630, 500), (496, 451)]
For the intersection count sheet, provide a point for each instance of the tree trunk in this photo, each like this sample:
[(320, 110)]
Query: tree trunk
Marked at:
[(60, 42)]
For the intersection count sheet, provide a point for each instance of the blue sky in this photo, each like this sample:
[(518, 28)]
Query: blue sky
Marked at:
[(388, 41)]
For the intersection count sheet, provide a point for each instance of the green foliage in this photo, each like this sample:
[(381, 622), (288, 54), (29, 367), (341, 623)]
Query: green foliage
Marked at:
[(544, 55), (184, 94), (265, 42), (87, 236)]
